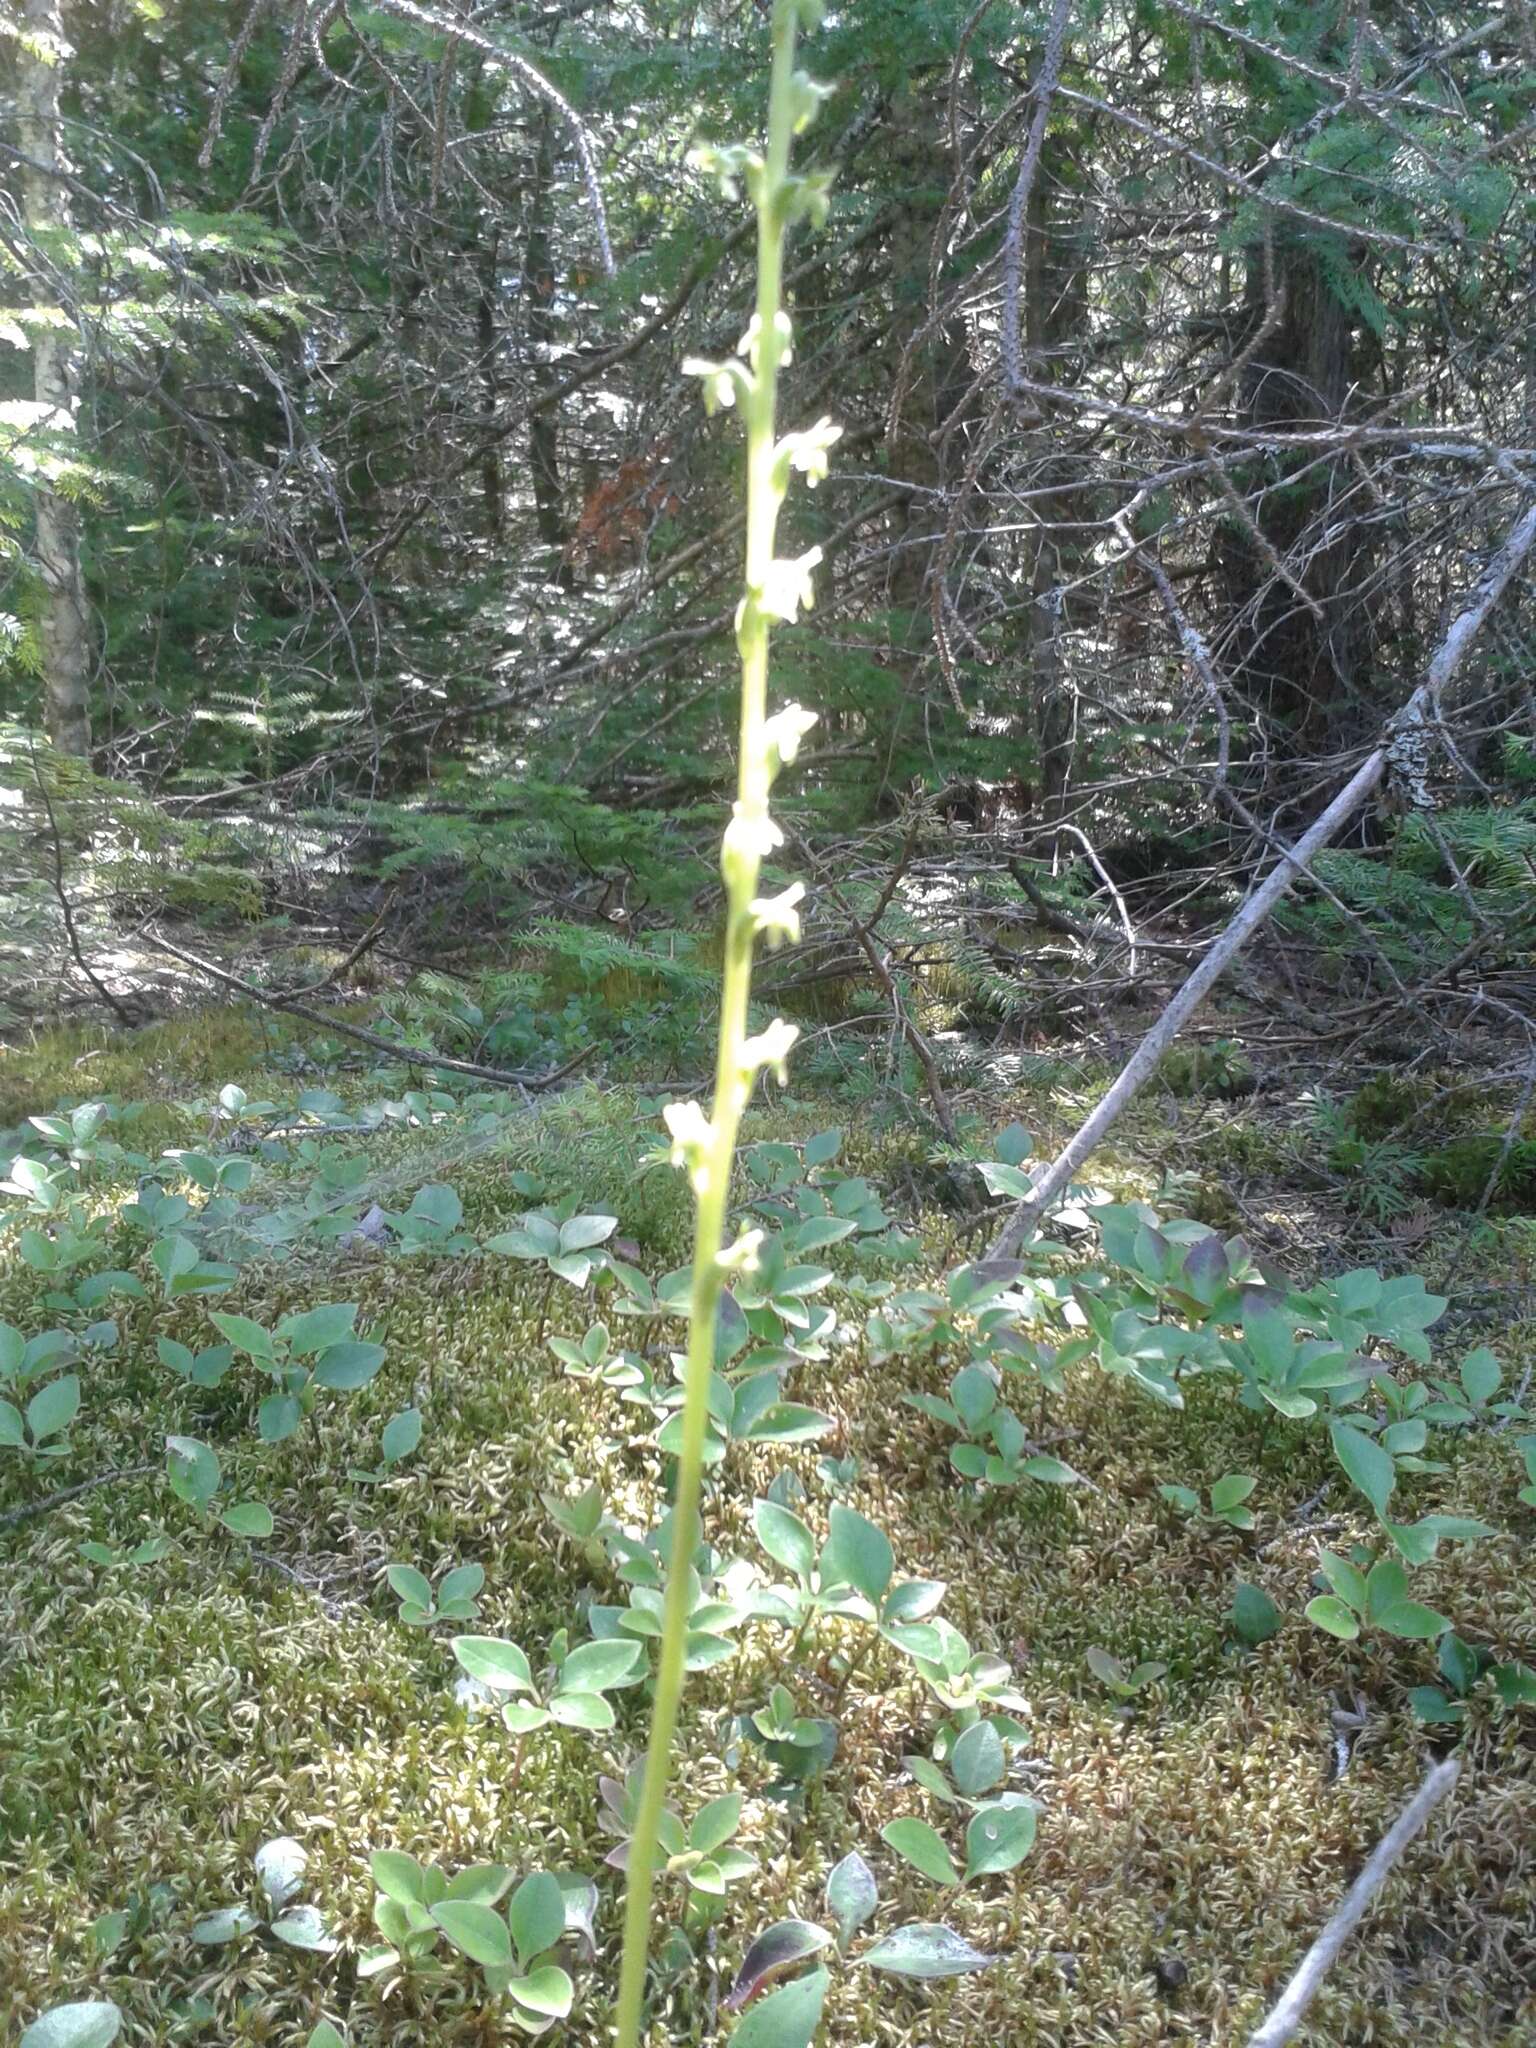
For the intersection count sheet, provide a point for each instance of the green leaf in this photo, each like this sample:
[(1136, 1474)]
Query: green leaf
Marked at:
[(13, 1431), (581, 1233), (536, 1915), (54, 1407), (402, 1433), (1515, 1685), (925, 1949), (248, 1518), (1369, 1467), (594, 1667), (1230, 1492), (715, 1823), (587, 1710), (345, 1367), (974, 1394), (324, 2035), (1255, 1617), (1480, 1377), (228, 1924), (787, 2018), (977, 1761), (999, 1837), (245, 1335), (302, 1927), (398, 1876), (548, 1991), (852, 1895), (277, 1417), (785, 1537), (1332, 1615), (410, 1586), (1413, 1622), (494, 1662), (773, 1954), (788, 1422), (317, 1329), (1051, 1472), (860, 1553), (483, 1883), (479, 1931), (923, 1847), (88, 2023), (192, 1469)]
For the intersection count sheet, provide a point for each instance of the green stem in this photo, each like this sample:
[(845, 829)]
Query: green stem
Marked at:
[(733, 1082)]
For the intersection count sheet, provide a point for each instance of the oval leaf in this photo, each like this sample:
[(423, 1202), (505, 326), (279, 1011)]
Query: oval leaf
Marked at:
[(923, 1847), (89, 2023), (787, 2018), (776, 1951), (477, 1930), (998, 1838), (852, 1894), (925, 1949)]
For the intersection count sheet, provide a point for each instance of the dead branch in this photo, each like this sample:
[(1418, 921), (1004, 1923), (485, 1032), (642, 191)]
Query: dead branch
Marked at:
[(274, 999), (1401, 746), (1287, 2016)]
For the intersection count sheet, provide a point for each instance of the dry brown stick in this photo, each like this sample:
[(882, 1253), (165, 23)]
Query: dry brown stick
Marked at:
[(33, 1508), (1287, 2016), (1402, 743), (408, 1055)]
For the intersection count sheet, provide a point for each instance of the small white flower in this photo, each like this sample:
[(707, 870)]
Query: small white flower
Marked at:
[(806, 451), (748, 840), (770, 1049), (741, 1257), (784, 330), (692, 1137), (787, 587), (776, 919), (783, 733), (722, 381)]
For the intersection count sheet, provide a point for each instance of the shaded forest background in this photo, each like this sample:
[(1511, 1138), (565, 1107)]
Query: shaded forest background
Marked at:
[(371, 567)]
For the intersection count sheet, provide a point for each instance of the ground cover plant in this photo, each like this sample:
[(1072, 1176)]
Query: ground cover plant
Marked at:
[(773, 1552)]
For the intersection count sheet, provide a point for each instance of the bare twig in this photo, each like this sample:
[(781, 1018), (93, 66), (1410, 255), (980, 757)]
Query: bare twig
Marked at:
[(1401, 745), (50, 1501), (1288, 2014), (409, 1056)]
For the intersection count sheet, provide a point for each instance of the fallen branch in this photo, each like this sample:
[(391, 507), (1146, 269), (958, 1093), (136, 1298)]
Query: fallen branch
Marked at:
[(410, 1056), (46, 1506), (1287, 2016), (1403, 746)]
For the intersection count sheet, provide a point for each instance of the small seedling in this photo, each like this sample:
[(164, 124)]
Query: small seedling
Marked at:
[(700, 1854), (1125, 1683), (1224, 1502), (1375, 1598), (279, 1867), (453, 1600)]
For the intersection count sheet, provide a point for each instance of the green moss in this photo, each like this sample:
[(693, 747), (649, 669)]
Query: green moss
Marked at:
[(1460, 1174), (157, 1726)]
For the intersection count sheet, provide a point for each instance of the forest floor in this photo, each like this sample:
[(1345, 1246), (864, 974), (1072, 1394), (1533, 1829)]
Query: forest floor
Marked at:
[(157, 1725)]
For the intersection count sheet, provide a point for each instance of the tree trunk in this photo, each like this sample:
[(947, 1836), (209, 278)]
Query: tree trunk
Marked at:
[(1055, 311), (485, 346), (1300, 666), (64, 629), (539, 290)]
